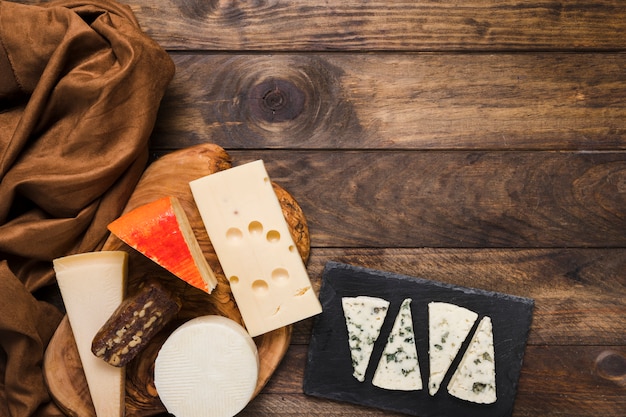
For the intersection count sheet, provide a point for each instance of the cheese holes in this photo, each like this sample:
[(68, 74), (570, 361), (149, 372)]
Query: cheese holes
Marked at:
[(273, 236), (234, 280), (280, 276), (234, 235), (255, 228), (260, 287)]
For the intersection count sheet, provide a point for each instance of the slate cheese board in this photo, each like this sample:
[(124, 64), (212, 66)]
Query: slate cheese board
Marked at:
[(328, 372)]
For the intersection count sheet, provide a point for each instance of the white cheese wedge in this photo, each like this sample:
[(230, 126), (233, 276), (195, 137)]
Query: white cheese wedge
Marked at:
[(448, 327), (251, 237), (364, 318), (475, 378), (208, 367), (92, 286), (398, 368)]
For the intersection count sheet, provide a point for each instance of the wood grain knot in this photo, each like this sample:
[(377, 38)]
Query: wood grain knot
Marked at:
[(276, 100), (611, 365), (226, 10)]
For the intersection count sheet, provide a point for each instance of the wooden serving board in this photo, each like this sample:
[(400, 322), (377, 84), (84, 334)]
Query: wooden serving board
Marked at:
[(170, 175)]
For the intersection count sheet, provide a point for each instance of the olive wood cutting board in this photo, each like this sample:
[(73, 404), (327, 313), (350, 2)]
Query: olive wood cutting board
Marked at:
[(169, 176)]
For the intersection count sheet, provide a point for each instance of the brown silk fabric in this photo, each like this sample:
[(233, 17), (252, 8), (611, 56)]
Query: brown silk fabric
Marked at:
[(80, 85)]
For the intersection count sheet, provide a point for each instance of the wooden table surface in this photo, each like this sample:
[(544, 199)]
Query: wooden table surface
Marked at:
[(476, 142)]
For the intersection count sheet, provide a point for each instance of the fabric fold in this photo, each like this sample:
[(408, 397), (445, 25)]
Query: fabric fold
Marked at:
[(80, 87)]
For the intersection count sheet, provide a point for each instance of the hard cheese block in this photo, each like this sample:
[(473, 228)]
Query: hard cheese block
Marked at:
[(208, 367), (329, 372), (161, 231), (92, 286), (245, 223)]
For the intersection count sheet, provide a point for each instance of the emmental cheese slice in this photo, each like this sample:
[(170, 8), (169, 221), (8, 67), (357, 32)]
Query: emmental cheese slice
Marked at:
[(475, 378), (448, 327), (92, 286), (208, 367), (398, 368), (160, 230), (364, 317), (251, 238)]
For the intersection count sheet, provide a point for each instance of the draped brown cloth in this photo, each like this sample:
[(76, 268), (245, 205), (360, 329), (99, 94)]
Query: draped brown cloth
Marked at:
[(80, 86)]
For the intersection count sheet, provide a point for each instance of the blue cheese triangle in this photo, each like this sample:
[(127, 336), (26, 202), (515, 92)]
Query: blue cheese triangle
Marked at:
[(475, 378), (398, 368), (364, 318), (448, 327)]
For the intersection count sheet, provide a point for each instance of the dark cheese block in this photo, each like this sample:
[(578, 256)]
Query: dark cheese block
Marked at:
[(329, 370), (134, 323)]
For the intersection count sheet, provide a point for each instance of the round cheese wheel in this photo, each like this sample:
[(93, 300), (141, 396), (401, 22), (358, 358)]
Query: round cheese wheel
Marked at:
[(208, 367)]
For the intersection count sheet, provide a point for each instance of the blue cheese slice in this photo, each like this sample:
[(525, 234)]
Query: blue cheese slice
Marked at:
[(364, 317), (398, 368), (475, 378), (448, 326)]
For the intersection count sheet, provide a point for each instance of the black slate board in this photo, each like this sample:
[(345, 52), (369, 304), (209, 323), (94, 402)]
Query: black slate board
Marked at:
[(328, 372)]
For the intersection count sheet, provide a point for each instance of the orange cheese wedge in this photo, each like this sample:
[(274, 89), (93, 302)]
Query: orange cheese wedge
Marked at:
[(160, 230)]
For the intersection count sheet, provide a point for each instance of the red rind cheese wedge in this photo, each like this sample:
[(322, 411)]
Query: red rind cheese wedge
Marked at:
[(161, 231)]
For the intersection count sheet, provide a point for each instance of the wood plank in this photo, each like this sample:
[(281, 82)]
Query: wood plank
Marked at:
[(382, 25), (298, 405), (578, 293), (545, 387), (455, 199), (396, 101)]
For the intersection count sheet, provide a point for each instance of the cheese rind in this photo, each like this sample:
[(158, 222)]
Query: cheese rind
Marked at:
[(475, 378), (161, 231), (208, 367), (398, 368), (252, 240), (448, 327), (364, 317), (92, 286)]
